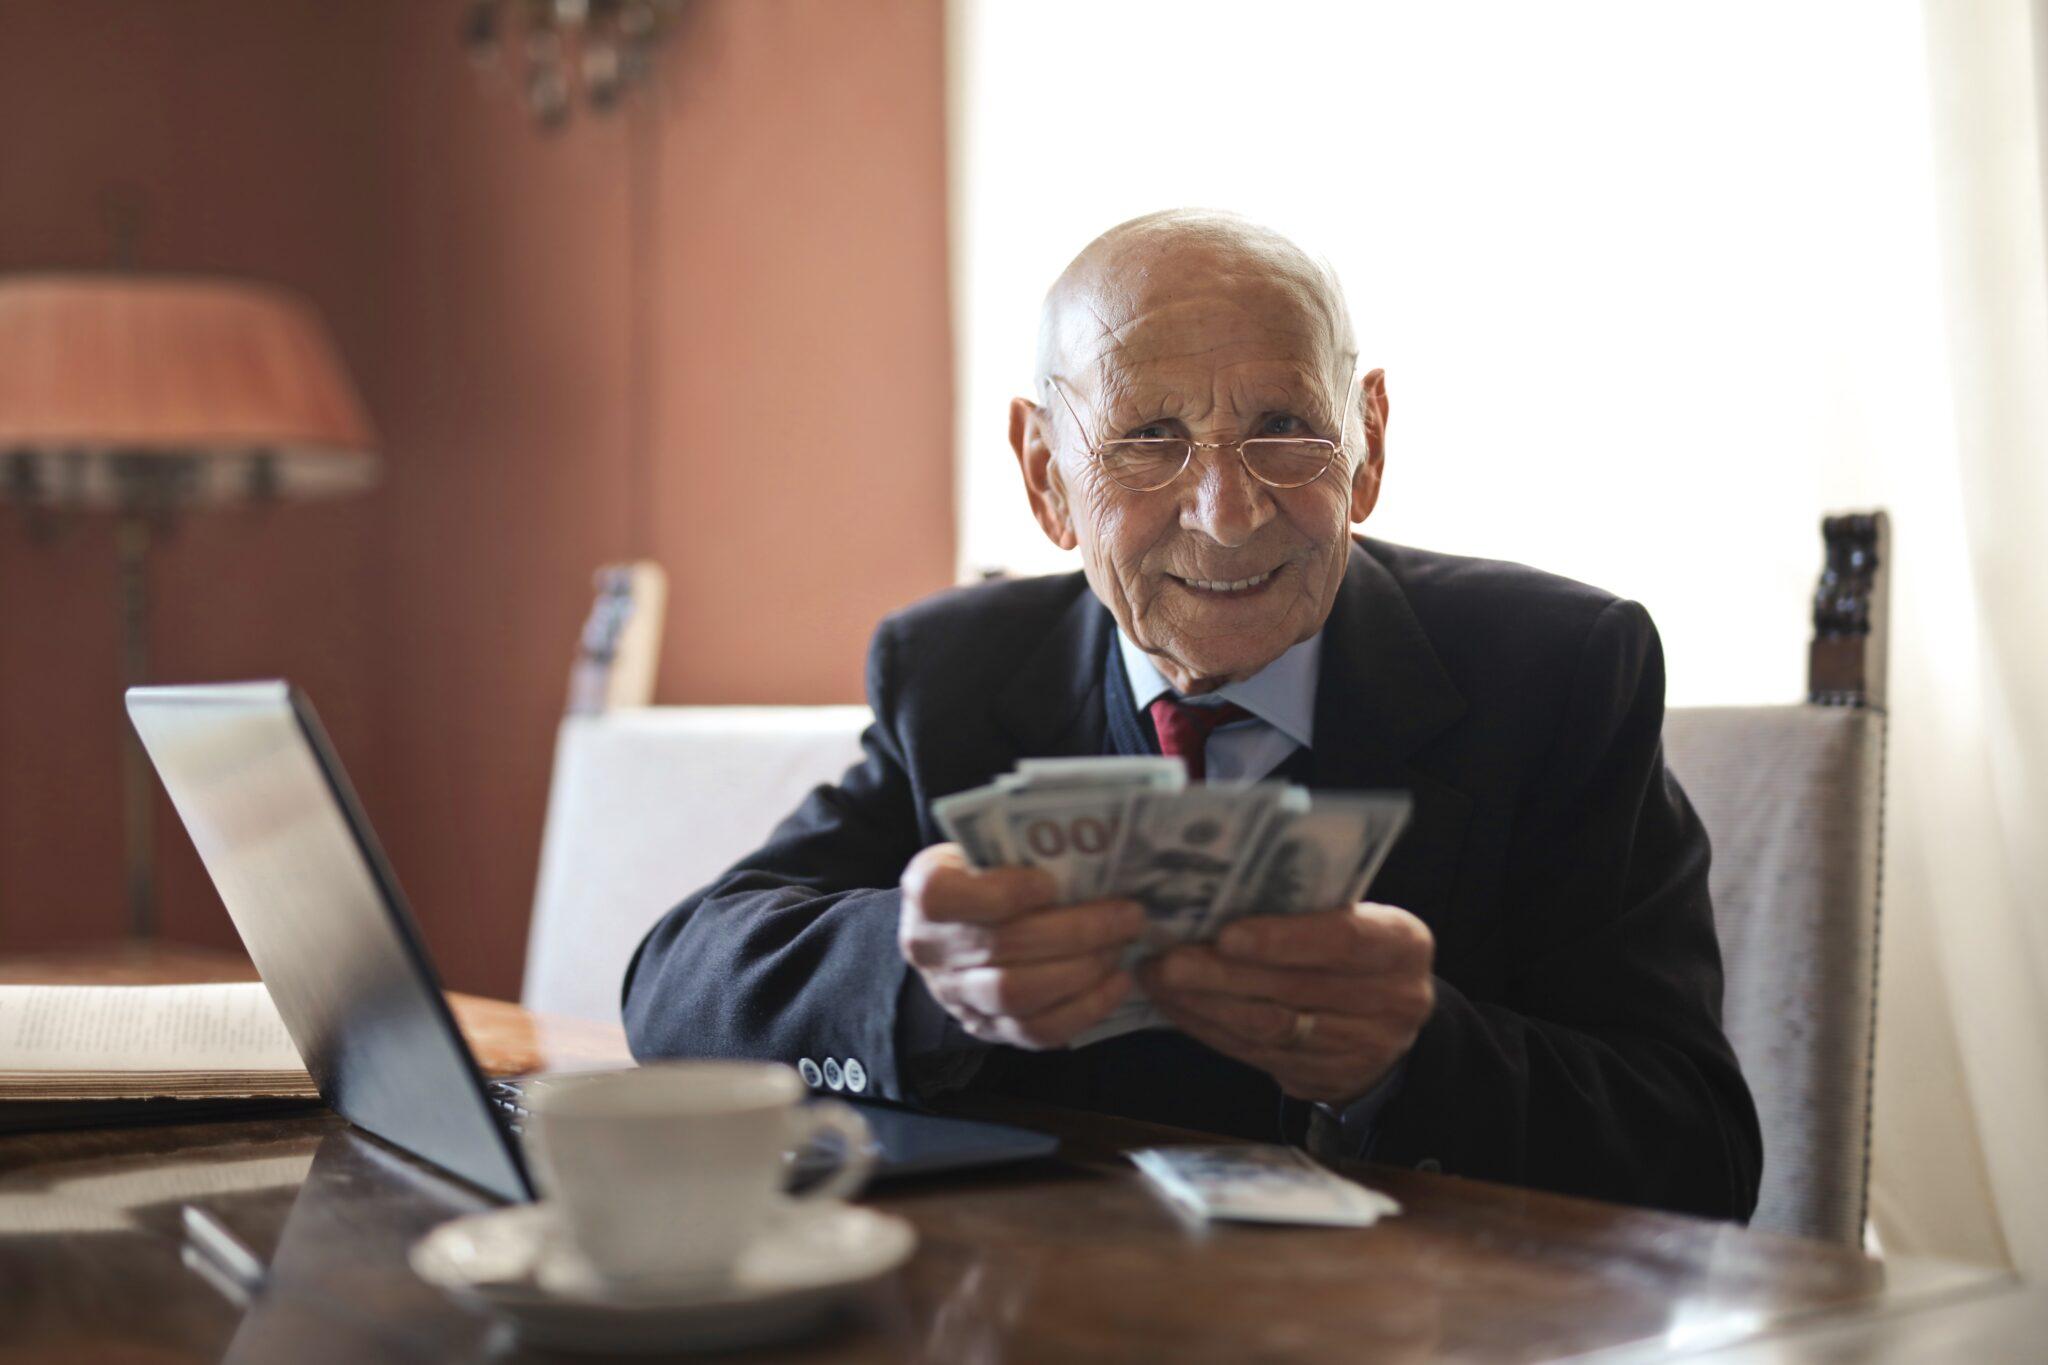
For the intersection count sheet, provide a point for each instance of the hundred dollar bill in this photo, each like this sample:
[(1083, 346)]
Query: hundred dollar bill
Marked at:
[(973, 820), (1195, 857), (1315, 857), (978, 820), (1179, 849), (1069, 832), (1149, 774)]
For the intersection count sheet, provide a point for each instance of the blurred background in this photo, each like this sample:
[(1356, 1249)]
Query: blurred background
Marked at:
[(1655, 287), (704, 330)]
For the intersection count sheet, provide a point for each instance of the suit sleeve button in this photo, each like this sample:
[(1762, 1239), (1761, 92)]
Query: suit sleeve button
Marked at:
[(808, 1069), (856, 1075), (1429, 1164), (834, 1077)]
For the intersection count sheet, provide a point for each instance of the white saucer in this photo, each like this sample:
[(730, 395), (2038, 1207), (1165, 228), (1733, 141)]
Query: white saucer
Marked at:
[(799, 1269)]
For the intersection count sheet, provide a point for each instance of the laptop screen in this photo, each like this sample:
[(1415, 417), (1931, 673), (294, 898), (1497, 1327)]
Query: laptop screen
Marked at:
[(267, 805)]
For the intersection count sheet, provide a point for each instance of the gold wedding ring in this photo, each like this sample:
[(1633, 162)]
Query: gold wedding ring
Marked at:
[(1304, 1028)]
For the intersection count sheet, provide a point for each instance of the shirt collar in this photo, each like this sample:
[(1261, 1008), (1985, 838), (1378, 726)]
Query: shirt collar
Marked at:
[(1282, 694)]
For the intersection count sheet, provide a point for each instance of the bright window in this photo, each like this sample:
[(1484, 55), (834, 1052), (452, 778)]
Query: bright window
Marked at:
[(1654, 285)]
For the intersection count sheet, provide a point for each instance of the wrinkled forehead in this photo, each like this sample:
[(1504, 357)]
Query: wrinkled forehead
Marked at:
[(1226, 320)]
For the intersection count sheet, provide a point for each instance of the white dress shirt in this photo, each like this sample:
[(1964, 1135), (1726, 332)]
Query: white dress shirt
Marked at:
[(1281, 697)]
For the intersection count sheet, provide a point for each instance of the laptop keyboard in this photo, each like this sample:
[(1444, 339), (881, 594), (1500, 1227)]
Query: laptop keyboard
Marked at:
[(504, 1097), (913, 1150), (806, 1166)]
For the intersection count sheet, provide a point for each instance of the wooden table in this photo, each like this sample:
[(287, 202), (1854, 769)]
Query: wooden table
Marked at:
[(1072, 1259)]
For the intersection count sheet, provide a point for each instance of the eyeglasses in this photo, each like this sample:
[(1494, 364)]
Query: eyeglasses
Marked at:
[(1147, 464)]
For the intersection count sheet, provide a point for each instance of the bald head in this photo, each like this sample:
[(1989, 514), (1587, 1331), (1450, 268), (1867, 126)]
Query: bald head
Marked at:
[(1137, 268)]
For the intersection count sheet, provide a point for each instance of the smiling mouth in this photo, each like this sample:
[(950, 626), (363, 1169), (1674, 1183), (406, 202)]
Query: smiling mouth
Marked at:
[(1217, 587)]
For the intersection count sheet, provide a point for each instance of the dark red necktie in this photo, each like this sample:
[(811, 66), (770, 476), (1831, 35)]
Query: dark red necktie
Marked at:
[(1184, 730)]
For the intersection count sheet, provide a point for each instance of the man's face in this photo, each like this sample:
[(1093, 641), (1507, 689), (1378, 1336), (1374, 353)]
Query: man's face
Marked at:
[(1216, 575)]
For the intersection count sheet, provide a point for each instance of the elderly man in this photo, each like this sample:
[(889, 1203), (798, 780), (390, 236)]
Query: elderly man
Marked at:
[(1534, 993)]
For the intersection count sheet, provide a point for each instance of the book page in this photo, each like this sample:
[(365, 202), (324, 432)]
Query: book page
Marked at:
[(221, 1027)]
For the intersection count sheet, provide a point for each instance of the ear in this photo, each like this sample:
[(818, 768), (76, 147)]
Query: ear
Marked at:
[(1030, 437), (1365, 480)]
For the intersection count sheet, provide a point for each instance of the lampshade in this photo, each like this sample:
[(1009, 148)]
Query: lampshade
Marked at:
[(118, 390)]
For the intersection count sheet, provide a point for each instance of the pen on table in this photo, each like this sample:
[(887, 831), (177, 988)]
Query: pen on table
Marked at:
[(223, 1256)]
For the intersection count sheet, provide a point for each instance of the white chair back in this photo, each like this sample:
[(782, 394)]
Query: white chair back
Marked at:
[(645, 807)]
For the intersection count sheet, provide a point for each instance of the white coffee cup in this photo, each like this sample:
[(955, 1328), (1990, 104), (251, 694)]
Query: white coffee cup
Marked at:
[(660, 1176)]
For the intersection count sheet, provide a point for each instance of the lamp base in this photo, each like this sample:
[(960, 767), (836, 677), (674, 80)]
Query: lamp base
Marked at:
[(131, 541)]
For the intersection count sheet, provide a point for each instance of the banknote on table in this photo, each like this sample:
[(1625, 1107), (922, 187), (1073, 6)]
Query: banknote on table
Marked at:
[(1251, 1183), (1195, 857)]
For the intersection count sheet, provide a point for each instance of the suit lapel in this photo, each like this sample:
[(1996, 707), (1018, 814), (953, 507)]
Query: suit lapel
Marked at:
[(1053, 706), (1381, 695), (1130, 734)]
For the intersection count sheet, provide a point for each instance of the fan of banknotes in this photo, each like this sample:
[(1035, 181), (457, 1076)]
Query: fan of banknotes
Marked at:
[(1195, 856)]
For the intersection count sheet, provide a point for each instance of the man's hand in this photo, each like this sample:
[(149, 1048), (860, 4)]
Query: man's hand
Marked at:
[(1324, 1003), (1005, 961)]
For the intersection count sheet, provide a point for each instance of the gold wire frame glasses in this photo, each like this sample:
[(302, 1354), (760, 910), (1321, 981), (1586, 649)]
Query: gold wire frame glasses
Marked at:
[(1149, 463)]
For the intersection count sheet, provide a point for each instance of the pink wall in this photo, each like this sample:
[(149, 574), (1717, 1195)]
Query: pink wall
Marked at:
[(249, 136), (766, 241)]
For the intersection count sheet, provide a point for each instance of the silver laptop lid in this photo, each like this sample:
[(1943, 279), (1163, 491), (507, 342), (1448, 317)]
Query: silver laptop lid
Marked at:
[(271, 812)]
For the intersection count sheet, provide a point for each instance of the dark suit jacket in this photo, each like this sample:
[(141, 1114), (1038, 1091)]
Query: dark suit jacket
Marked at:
[(1576, 1042)]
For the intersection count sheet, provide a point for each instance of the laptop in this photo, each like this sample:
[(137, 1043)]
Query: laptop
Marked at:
[(259, 788)]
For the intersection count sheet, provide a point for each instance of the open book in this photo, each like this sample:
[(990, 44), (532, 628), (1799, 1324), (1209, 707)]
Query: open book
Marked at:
[(94, 1043)]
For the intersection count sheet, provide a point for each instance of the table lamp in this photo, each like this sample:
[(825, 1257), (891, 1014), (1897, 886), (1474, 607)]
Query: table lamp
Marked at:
[(139, 396)]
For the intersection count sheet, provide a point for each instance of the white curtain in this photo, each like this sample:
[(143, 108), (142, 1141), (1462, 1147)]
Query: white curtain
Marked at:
[(1654, 286), (1971, 733)]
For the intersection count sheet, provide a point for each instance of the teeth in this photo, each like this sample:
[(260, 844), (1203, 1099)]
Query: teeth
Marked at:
[(1219, 585)]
